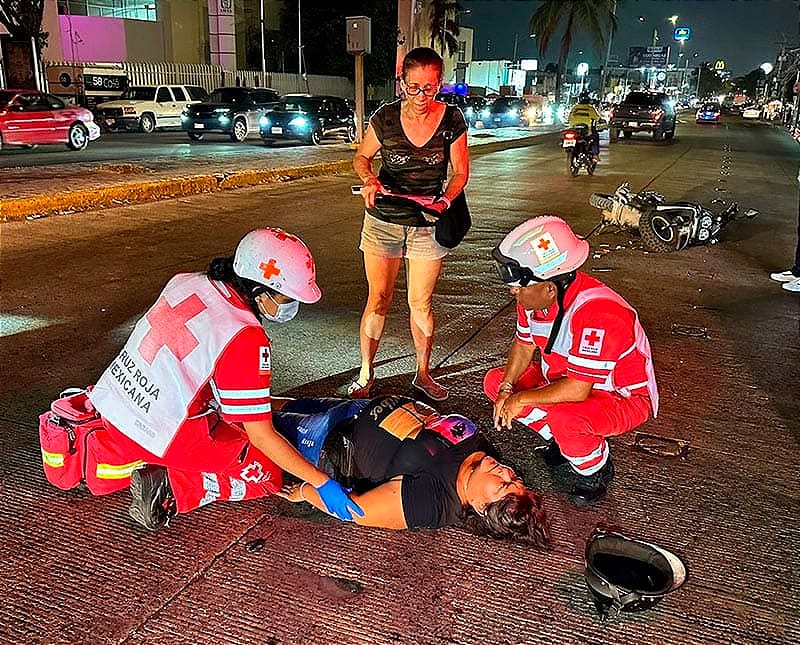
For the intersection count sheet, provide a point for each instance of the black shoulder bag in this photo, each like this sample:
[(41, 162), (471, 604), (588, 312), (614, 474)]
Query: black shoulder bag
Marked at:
[(453, 224)]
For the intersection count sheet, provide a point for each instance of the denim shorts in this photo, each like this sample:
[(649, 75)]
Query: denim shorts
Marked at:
[(395, 241)]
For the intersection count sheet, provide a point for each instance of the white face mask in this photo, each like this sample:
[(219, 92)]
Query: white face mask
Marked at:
[(284, 313)]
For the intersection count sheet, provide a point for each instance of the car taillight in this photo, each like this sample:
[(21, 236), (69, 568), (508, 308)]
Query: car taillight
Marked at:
[(569, 135), (611, 111), (657, 113)]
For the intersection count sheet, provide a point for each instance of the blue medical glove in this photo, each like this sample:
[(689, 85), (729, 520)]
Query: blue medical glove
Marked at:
[(337, 502)]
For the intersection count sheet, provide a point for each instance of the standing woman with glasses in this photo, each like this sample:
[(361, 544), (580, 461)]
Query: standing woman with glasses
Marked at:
[(418, 138)]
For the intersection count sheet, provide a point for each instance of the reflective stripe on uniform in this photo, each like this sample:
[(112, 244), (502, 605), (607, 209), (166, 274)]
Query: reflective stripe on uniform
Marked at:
[(590, 363), (245, 409), (112, 471), (600, 455), (243, 394)]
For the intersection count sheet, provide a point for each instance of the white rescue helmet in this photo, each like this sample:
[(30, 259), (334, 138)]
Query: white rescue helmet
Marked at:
[(278, 260), (539, 249)]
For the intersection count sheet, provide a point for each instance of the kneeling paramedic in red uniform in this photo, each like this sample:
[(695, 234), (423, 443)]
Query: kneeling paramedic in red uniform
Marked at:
[(189, 394), (594, 377)]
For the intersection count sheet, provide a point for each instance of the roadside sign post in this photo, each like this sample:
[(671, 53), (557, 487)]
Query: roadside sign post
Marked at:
[(359, 42)]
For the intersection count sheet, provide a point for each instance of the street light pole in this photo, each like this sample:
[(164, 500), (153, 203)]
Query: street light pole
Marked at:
[(299, 42), (263, 46), (608, 51), (699, 72)]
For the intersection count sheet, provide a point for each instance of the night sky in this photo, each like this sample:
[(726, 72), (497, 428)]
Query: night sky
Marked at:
[(743, 33)]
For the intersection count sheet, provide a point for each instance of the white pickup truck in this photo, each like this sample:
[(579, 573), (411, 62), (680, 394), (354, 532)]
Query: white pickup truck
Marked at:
[(146, 108)]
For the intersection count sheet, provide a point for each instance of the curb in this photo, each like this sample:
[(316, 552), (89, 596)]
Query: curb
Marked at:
[(74, 201), (63, 203)]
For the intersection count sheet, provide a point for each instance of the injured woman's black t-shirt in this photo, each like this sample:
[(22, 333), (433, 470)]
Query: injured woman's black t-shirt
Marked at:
[(390, 441)]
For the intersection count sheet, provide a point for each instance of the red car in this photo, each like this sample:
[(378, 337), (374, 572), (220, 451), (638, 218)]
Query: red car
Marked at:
[(30, 117)]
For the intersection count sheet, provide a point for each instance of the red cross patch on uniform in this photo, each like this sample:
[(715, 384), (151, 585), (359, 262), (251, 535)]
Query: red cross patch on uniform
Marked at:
[(264, 362), (591, 341)]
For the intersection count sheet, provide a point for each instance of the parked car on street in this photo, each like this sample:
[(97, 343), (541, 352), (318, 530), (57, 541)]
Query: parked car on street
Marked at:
[(651, 112), (504, 111), (751, 112), (146, 108), (708, 113), (309, 118), (29, 118), (234, 111), (452, 99), (473, 109)]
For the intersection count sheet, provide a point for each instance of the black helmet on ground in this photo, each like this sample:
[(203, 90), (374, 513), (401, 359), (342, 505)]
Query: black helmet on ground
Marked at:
[(625, 574)]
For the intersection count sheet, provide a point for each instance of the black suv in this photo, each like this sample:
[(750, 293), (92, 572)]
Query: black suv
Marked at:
[(234, 111), (651, 112), (309, 118)]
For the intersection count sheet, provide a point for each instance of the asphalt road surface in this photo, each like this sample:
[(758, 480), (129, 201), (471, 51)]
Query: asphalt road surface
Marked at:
[(76, 570), (173, 145)]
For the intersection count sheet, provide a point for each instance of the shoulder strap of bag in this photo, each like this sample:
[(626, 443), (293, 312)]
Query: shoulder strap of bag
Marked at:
[(447, 135)]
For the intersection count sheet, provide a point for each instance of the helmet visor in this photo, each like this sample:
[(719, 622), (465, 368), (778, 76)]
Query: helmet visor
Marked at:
[(512, 272)]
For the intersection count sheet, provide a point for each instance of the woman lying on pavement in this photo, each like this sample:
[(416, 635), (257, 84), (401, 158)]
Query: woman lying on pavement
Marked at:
[(412, 467)]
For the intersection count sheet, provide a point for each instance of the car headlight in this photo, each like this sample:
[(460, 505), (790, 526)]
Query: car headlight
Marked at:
[(222, 110), (513, 112), (224, 119), (264, 122), (299, 122)]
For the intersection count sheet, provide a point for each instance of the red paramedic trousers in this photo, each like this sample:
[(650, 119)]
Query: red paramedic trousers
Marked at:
[(202, 466), (579, 429)]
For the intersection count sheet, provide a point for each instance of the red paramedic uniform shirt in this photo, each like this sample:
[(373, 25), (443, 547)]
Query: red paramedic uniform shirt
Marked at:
[(602, 339)]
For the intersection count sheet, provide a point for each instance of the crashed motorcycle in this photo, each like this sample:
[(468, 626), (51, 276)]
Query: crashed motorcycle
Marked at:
[(577, 142), (665, 226)]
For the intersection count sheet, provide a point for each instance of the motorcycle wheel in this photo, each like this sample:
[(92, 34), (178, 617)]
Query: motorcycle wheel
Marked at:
[(601, 201), (569, 162), (658, 232)]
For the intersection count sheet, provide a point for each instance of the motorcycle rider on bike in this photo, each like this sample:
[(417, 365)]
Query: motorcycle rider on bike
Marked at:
[(584, 114)]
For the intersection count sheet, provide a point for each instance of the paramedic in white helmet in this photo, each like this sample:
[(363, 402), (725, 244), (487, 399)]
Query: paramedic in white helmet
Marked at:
[(186, 404), (593, 376)]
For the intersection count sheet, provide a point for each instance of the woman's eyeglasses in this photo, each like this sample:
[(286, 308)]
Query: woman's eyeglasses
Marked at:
[(414, 90)]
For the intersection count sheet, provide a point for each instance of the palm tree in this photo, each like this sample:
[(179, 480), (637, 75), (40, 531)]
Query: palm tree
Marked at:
[(23, 19), (591, 16), (443, 16)]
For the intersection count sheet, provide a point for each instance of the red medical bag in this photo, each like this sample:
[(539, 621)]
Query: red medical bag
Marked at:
[(64, 431)]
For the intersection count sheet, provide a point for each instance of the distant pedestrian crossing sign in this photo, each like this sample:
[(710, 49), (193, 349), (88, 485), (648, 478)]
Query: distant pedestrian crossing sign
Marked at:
[(683, 33)]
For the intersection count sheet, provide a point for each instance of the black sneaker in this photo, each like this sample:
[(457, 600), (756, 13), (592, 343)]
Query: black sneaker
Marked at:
[(550, 453), (153, 503), (591, 490)]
